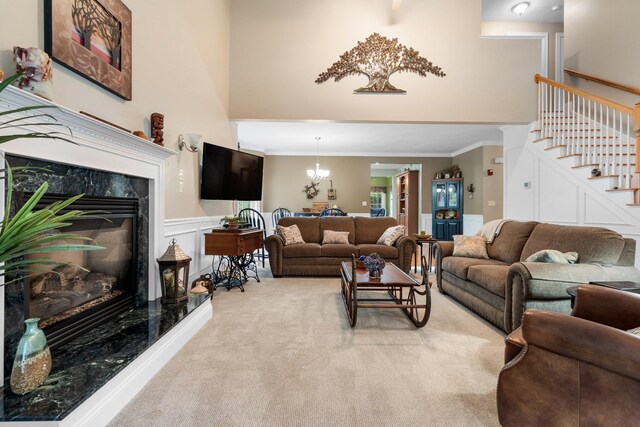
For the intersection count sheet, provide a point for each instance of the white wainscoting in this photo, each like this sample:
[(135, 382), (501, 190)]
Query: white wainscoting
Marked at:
[(471, 224), (189, 234), (426, 223)]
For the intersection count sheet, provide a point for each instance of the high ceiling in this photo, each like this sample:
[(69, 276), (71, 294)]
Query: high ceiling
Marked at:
[(385, 139), (539, 11), (364, 139)]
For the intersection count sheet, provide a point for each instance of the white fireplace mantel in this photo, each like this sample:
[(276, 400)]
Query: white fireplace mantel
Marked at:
[(104, 147)]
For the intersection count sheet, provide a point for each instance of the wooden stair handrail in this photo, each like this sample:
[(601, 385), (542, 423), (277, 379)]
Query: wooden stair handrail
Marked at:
[(595, 79), (627, 110), (633, 112)]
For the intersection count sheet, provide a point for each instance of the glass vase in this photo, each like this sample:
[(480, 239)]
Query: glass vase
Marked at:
[(32, 363), (375, 274)]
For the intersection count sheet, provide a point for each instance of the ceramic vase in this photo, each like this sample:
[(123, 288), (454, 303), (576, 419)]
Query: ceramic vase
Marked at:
[(32, 363), (35, 65)]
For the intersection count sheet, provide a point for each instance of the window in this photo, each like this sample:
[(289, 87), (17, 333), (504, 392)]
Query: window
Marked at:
[(378, 198)]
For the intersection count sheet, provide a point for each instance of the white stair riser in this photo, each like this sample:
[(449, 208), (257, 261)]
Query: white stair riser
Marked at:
[(621, 197), (605, 183)]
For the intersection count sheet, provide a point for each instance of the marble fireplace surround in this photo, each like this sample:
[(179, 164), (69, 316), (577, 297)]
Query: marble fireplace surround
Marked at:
[(103, 147)]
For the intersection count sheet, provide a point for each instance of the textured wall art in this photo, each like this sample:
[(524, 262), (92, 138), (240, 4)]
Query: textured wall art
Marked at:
[(378, 58), (92, 38)]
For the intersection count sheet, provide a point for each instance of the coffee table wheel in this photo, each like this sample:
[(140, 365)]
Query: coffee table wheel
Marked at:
[(413, 313), (349, 296)]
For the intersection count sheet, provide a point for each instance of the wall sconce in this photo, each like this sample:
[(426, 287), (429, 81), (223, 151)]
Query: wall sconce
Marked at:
[(470, 190), (194, 140)]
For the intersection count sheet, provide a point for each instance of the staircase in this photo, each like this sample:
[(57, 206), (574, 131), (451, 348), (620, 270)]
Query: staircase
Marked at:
[(594, 137)]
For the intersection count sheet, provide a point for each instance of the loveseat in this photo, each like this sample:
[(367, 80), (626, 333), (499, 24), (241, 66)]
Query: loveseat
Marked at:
[(502, 287), (312, 258)]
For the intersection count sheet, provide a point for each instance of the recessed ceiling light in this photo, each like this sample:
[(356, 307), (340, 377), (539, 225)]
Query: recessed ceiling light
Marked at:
[(519, 8), (556, 7)]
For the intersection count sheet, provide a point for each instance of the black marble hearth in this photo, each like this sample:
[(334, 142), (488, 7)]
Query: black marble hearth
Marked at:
[(85, 364)]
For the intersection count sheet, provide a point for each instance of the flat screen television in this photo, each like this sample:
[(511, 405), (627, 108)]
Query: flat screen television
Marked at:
[(230, 175)]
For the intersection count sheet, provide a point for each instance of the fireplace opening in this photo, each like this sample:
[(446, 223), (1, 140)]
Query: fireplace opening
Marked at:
[(89, 286)]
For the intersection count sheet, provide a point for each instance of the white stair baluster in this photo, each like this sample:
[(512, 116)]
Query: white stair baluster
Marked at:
[(628, 157), (609, 158), (613, 146), (601, 157)]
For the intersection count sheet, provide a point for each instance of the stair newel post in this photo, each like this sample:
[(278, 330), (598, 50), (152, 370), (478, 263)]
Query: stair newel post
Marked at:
[(636, 131)]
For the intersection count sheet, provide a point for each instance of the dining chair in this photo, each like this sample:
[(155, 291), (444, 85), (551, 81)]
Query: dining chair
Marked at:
[(332, 212), (255, 218), (279, 213)]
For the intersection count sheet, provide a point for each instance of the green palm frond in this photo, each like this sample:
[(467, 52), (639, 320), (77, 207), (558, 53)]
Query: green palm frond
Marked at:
[(24, 121), (30, 232)]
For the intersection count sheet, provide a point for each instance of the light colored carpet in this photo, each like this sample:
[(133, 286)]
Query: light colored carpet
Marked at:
[(282, 354)]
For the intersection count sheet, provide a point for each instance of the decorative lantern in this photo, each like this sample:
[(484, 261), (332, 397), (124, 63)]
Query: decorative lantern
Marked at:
[(174, 274)]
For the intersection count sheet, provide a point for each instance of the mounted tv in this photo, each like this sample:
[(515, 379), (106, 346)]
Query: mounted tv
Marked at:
[(230, 175)]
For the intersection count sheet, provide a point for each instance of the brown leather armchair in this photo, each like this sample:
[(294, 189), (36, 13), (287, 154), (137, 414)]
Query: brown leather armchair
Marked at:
[(578, 370)]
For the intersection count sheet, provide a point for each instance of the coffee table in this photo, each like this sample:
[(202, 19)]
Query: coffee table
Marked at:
[(401, 292)]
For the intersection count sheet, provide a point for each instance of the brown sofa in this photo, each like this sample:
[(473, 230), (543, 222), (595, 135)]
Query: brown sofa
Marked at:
[(312, 258), (501, 288), (582, 369)]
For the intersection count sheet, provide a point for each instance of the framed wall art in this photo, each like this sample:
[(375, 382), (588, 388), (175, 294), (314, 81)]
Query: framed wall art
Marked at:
[(92, 38)]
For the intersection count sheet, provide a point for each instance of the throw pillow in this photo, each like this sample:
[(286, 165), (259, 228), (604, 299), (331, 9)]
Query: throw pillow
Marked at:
[(470, 246), (634, 331), (390, 235), (338, 237), (291, 234), (553, 256)]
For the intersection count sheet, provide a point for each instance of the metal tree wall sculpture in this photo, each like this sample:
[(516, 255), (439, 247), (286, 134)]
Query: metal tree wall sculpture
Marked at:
[(378, 58)]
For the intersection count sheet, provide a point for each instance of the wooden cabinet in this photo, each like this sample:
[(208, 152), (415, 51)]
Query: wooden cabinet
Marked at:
[(447, 208), (232, 242), (407, 185)]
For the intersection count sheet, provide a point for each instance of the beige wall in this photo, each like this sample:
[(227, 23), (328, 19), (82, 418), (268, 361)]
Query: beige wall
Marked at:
[(600, 40), (474, 165), (471, 166), (285, 178), (492, 186), (278, 48), (180, 68), (502, 28)]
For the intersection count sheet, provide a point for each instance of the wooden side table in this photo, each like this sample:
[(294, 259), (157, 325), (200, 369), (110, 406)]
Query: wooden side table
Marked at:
[(619, 285), (235, 248), (429, 257)]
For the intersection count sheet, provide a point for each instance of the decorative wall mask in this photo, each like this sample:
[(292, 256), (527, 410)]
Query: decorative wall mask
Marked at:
[(378, 58), (157, 126)]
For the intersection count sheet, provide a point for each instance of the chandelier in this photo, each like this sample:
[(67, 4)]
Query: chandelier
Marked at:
[(317, 173)]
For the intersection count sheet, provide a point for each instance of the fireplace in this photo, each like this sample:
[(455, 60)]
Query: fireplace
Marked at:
[(89, 286), (96, 374), (71, 301)]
